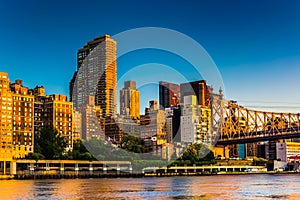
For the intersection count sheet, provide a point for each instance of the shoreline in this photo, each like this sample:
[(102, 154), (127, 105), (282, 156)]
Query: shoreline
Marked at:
[(132, 175)]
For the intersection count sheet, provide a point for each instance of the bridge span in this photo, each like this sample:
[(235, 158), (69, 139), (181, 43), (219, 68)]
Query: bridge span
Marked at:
[(235, 124)]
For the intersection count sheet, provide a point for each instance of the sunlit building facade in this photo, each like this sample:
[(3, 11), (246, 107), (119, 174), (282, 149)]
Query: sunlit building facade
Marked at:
[(23, 120), (16, 121), (77, 125), (195, 122), (198, 88), (169, 94), (53, 111), (130, 100), (96, 75), (6, 110), (153, 124)]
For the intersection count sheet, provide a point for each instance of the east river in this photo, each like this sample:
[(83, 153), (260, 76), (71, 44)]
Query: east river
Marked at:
[(196, 187)]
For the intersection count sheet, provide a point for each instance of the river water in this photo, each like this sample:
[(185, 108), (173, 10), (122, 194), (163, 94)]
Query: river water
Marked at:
[(196, 187)]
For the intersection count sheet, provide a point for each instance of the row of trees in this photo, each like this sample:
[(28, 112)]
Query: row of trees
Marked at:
[(50, 145)]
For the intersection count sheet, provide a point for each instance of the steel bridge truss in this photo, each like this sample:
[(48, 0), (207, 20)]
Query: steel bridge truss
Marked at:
[(232, 124)]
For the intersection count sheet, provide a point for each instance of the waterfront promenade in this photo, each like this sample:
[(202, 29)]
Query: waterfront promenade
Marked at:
[(31, 169)]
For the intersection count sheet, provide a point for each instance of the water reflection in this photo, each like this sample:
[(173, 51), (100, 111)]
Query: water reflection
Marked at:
[(201, 187)]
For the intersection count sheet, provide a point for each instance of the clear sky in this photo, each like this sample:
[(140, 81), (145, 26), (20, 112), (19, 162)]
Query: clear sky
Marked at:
[(255, 44)]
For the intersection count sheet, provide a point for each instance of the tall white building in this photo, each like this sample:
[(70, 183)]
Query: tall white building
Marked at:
[(194, 122)]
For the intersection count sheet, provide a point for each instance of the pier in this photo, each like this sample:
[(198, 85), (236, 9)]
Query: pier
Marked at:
[(64, 169)]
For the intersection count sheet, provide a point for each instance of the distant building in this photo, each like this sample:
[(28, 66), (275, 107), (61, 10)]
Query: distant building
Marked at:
[(169, 95), (6, 125), (292, 149), (77, 125), (16, 121), (96, 75), (194, 122), (91, 120), (241, 151), (169, 124), (128, 125), (23, 120), (153, 105), (53, 111), (130, 100), (272, 150), (197, 88), (281, 151), (153, 123), (176, 124), (251, 149), (167, 151), (112, 131), (262, 150)]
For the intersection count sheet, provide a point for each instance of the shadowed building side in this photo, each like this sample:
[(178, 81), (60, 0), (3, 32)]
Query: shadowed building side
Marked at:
[(96, 75)]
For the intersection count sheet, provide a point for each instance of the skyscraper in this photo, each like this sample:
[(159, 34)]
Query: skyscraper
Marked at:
[(96, 75), (130, 100), (169, 94), (197, 88)]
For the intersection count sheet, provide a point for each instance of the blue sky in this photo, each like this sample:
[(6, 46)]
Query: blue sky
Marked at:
[(255, 44)]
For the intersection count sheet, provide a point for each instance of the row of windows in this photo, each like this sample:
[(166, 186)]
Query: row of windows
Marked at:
[(23, 99)]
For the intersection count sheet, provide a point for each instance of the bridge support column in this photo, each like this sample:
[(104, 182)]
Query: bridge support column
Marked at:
[(185, 168), (47, 168), (62, 168), (104, 169), (175, 168), (194, 165), (130, 169), (31, 168), (4, 167), (118, 168), (91, 168), (13, 167), (76, 168)]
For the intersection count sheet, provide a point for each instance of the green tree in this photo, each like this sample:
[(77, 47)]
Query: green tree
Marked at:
[(50, 144), (132, 143), (35, 156), (197, 153)]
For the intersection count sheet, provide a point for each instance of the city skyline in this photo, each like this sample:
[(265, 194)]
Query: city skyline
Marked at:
[(249, 49), (150, 99)]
